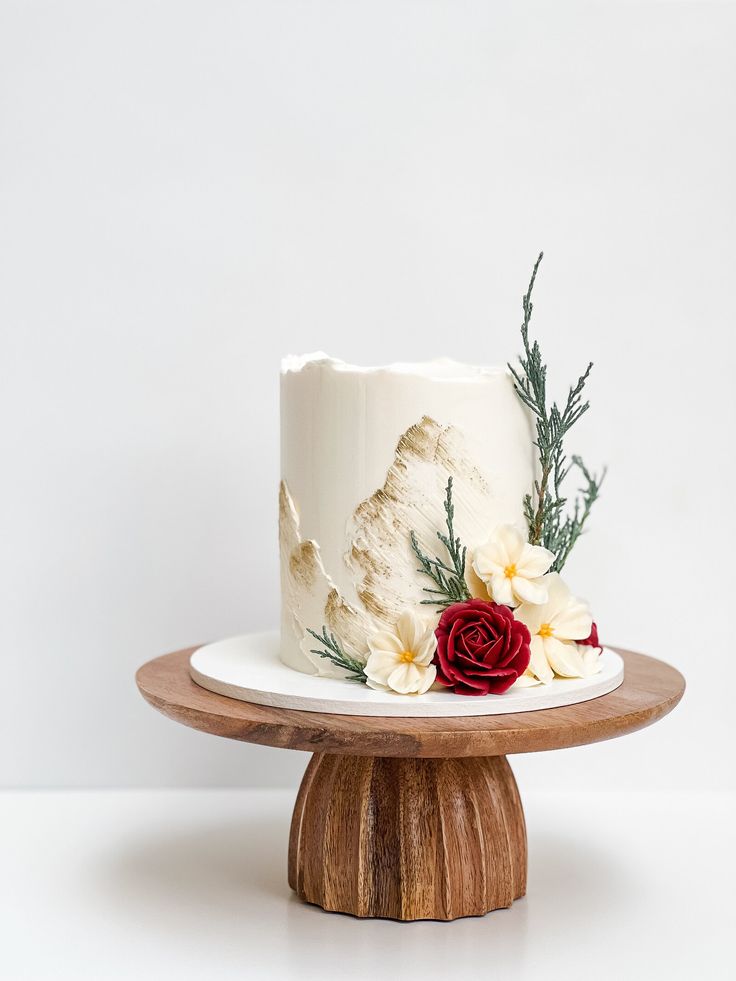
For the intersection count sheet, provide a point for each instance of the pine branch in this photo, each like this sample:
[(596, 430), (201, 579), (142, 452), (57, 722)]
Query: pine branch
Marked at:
[(448, 579), (335, 653), (544, 509), (572, 527)]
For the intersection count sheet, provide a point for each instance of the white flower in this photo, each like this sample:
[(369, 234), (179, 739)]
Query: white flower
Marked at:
[(511, 568), (591, 659), (555, 626), (400, 660)]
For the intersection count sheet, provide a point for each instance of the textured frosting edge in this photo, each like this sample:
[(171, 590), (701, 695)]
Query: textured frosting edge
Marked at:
[(437, 369)]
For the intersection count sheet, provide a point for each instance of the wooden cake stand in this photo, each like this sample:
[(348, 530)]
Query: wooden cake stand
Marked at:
[(411, 818)]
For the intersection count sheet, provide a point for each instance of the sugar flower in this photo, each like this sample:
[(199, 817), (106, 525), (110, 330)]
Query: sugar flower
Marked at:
[(482, 648), (557, 628), (400, 660), (511, 568)]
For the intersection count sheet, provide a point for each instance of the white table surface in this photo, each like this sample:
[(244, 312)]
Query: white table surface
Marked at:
[(192, 884)]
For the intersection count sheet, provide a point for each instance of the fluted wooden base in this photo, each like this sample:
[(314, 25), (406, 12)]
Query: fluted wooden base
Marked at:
[(409, 839)]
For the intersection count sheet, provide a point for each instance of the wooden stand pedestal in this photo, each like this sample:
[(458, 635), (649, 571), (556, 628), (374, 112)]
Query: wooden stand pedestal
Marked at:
[(411, 818), (409, 839)]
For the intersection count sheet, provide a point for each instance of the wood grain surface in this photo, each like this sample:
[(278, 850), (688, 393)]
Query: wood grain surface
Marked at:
[(650, 690), (409, 839)]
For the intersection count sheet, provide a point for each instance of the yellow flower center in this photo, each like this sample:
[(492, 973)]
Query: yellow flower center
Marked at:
[(545, 630), (510, 571), (407, 657)]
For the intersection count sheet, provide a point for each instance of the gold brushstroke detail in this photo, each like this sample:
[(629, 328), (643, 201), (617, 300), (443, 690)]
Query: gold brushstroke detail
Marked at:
[(309, 596), (379, 550), (304, 564)]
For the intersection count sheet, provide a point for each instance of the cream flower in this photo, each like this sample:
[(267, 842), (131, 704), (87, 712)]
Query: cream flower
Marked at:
[(591, 657), (511, 568), (400, 660), (555, 627)]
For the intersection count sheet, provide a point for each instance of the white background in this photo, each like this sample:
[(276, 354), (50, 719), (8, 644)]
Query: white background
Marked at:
[(188, 191)]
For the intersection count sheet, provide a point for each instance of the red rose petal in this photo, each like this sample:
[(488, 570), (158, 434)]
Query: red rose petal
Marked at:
[(481, 648)]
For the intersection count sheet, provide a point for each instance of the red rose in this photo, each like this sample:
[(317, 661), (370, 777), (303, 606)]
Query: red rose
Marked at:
[(592, 639), (481, 648)]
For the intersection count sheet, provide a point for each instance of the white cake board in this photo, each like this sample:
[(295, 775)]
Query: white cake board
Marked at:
[(248, 668)]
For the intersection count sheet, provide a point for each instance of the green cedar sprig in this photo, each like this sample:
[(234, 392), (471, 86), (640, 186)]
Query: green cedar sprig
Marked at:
[(449, 580), (335, 652), (544, 509), (570, 528)]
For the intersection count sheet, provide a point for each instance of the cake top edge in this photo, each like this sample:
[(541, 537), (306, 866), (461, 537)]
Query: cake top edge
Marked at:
[(446, 369)]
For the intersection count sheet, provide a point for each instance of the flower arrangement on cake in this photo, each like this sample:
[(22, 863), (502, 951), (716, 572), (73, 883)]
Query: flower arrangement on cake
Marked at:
[(486, 608)]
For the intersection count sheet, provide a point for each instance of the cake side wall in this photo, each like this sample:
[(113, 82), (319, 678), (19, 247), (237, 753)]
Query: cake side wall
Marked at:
[(365, 457)]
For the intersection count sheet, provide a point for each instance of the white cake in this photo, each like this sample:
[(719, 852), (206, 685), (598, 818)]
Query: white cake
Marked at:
[(365, 458)]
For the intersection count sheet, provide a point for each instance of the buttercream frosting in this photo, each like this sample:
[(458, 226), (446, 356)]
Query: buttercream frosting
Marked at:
[(365, 458)]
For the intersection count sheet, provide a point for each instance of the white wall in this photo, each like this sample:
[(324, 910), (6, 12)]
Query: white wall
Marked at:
[(189, 190)]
